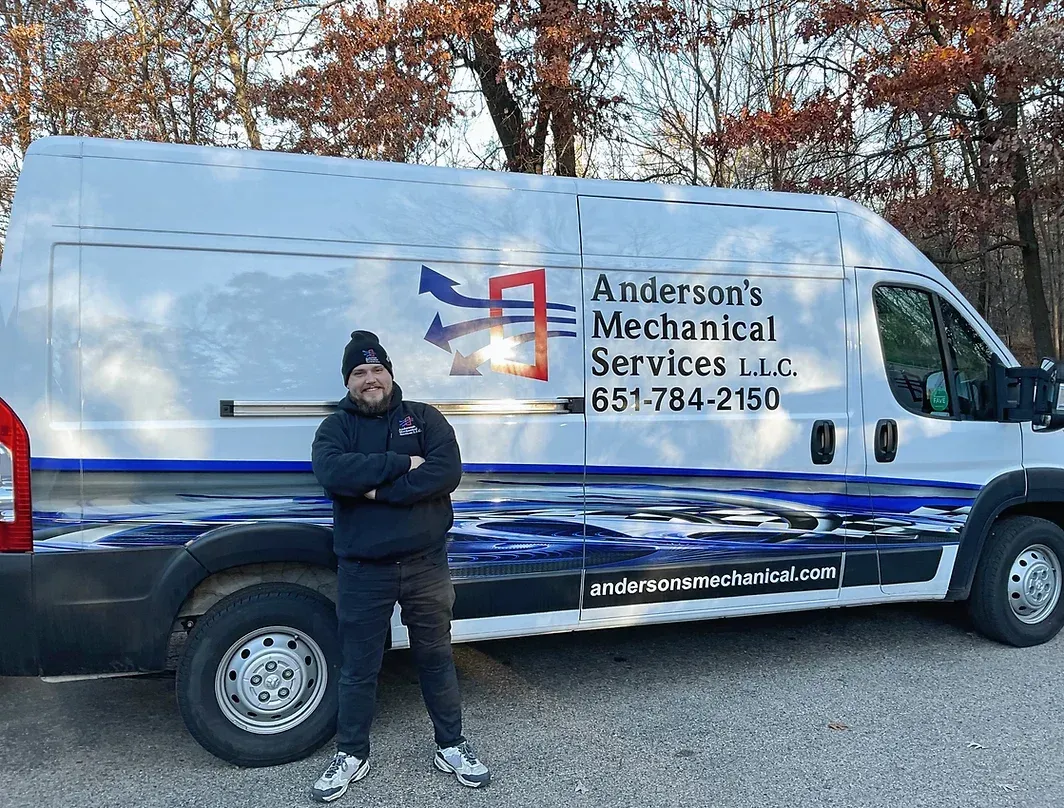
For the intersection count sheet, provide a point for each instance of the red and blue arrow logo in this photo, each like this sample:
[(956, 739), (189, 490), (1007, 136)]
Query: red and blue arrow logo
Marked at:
[(500, 346)]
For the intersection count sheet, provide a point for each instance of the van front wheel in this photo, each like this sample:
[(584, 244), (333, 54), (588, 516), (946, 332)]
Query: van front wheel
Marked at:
[(1016, 594), (257, 682)]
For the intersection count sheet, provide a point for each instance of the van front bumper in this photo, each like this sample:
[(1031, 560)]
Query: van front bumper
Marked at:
[(18, 625)]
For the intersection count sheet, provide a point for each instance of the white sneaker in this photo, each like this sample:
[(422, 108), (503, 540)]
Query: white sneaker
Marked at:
[(462, 762), (343, 770)]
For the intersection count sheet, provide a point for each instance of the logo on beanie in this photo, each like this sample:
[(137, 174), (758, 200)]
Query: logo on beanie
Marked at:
[(369, 357), (408, 427), (503, 314)]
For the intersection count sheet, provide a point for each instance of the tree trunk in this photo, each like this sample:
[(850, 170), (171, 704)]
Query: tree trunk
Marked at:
[(559, 91), (150, 88), (223, 18), (984, 277), (391, 52), (976, 174), (487, 63), (539, 138), (1023, 200), (564, 131)]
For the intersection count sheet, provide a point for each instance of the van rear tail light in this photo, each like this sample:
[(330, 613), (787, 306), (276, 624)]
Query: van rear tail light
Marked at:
[(16, 512)]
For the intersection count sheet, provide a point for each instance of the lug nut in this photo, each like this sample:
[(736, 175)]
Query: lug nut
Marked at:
[(271, 666), (283, 692), (256, 680), (288, 673), (264, 697)]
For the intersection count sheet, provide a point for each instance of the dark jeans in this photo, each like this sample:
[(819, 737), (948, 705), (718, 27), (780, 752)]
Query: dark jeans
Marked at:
[(366, 597)]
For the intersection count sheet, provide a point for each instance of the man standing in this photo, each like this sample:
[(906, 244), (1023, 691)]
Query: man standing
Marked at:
[(390, 466)]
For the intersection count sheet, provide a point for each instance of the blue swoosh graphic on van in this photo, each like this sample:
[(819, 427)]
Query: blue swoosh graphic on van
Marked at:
[(441, 335), (442, 288)]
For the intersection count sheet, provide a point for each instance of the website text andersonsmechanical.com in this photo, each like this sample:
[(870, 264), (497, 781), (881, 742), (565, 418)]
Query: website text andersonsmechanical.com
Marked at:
[(727, 580)]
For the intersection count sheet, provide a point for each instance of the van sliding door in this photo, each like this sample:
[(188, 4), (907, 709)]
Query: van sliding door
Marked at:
[(718, 414)]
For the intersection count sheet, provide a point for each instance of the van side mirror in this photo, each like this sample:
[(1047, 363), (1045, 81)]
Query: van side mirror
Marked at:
[(1052, 418), (1030, 394)]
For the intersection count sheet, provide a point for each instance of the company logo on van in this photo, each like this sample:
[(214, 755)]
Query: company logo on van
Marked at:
[(501, 346)]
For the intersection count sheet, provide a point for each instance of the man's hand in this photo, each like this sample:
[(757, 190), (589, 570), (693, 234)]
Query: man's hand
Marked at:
[(415, 461)]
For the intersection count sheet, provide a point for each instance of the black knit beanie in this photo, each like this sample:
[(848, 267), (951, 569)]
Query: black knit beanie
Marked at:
[(364, 349)]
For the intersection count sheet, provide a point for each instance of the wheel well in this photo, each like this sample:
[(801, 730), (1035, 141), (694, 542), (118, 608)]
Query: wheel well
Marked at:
[(1050, 511), (224, 583)]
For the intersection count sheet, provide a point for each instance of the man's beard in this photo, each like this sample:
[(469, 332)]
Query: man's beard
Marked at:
[(371, 409)]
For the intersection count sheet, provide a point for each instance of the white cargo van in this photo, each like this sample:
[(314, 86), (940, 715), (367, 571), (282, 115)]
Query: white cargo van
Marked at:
[(672, 404)]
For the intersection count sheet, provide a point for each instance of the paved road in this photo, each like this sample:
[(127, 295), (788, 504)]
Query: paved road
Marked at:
[(723, 713)]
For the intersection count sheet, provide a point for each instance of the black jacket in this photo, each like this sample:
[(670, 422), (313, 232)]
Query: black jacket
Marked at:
[(354, 453)]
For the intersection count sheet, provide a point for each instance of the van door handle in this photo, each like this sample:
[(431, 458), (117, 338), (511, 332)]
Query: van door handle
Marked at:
[(822, 443), (886, 440)]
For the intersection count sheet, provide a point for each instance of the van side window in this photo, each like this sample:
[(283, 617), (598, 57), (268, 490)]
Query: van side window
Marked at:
[(911, 348), (972, 370)]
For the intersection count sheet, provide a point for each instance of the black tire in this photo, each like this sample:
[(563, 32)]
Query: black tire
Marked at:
[(989, 606), (259, 606)]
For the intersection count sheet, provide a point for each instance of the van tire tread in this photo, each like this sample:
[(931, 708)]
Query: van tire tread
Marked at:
[(214, 633), (988, 605)]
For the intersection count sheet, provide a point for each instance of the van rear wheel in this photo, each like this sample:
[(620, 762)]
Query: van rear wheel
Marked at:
[(1016, 594), (258, 679)]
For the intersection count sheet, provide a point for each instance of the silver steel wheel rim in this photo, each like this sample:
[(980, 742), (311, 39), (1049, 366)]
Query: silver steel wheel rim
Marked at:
[(1034, 584), (271, 680)]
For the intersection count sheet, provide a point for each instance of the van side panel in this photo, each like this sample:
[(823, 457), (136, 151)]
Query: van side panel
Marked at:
[(633, 231), (44, 223), (248, 293), (232, 200)]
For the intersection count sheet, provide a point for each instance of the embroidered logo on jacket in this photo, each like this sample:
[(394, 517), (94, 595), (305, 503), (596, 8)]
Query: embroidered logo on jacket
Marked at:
[(408, 427)]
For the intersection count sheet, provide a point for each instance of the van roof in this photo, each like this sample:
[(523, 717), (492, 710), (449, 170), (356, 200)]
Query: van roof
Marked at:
[(314, 164)]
